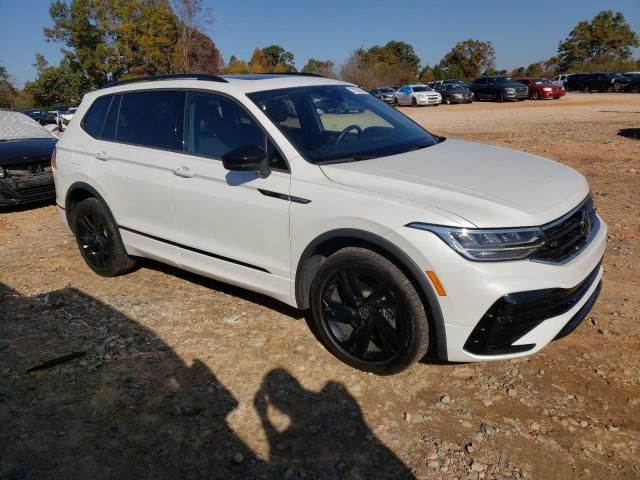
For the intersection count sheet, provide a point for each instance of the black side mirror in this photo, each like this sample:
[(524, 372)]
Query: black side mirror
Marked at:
[(247, 158)]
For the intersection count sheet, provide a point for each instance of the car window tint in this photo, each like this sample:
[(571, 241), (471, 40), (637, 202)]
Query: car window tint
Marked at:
[(152, 119), (94, 119), (109, 129), (217, 125)]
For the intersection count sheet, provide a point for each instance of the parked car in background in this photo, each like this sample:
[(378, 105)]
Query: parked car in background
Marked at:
[(35, 114), (498, 89), (384, 93), (393, 239), (561, 79), (449, 81), (25, 160), (634, 84), (597, 82), (540, 88), (417, 95), (455, 93), (68, 115)]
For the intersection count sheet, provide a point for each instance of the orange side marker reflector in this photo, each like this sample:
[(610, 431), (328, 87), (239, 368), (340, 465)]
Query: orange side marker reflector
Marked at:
[(436, 283)]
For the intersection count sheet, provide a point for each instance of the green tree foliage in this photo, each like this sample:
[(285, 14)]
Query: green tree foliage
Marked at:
[(61, 85), (395, 63), (606, 39), (471, 57), (7, 90), (321, 67), (236, 66), (278, 59)]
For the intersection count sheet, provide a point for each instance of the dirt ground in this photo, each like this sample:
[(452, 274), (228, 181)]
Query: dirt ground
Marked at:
[(184, 377)]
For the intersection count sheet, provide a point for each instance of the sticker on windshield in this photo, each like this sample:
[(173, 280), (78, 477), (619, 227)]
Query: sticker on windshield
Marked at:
[(356, 90)]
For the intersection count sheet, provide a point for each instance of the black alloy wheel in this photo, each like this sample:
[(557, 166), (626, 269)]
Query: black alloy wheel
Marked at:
[(99, 239), (93, 239), (367, 313), (364, 315)]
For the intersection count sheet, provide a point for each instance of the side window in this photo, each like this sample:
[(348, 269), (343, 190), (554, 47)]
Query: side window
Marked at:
[(216, 125), (109, 129), (152, 119), (94, 119)]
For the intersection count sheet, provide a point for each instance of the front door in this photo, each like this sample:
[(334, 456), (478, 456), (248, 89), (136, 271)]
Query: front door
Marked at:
[(231, 225)]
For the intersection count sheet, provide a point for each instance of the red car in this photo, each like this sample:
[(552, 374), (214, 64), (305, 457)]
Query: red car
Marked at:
[(541, 88)]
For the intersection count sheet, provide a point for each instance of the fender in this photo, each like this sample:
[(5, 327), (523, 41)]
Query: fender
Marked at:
[(302, 285), (83, 186)]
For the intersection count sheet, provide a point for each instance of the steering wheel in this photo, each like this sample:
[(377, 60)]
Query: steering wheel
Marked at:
[(344, 132)]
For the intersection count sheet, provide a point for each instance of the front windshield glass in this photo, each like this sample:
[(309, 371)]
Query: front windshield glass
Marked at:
[(387, 90), (455, 86), (338, 123), (422, 88), (542, 81)]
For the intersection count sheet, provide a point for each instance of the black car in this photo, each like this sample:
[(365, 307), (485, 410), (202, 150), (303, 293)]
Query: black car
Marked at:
[(597, 82), (36, 114), (384, 93), (634, 84), (455, 93), (498, 89), (25, 160)]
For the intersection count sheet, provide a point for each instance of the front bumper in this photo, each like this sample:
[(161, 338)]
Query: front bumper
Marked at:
[(553, 94), (429, 100), (463, 99), (16, 191), (473, 288), (516, 95)]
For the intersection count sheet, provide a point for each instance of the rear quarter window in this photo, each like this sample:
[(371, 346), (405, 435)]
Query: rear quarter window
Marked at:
[(94, 119)]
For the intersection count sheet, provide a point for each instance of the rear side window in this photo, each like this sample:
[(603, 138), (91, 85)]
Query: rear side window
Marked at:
[(152, 119), (94, 119)]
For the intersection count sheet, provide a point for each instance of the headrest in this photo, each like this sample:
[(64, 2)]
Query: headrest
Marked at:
[(277, 110)]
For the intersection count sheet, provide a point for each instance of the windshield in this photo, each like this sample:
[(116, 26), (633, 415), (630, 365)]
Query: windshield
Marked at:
[(387, 90), (422, 88), (456, 86), (542, 81), (337, 123)]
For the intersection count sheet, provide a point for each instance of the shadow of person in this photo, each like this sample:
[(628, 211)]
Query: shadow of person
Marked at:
[(125, 406), (326, 433)]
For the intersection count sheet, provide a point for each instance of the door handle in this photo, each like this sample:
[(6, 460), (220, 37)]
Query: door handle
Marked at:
[(183, 172), (102, 156)]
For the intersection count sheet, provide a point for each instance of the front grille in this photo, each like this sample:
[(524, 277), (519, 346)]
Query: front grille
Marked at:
[(521, 90), (28, 168), (568, 235), (516, 314)]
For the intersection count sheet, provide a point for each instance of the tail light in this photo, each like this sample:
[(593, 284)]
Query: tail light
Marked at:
[(54, 165)]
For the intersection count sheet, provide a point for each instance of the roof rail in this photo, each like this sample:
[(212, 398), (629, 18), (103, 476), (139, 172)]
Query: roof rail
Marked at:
[(171, 76)]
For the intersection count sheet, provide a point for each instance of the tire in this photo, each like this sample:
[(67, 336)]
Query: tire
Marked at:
[(99, 239), (395, 101), (535, 95), (499, 97), (447, 101), (384, 335), (414, 102)]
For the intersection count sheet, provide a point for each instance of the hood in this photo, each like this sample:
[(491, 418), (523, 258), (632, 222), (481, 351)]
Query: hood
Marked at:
[(488, 186), (26, 150)]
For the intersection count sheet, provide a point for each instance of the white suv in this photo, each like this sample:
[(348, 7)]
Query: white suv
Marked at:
[(395, 238)]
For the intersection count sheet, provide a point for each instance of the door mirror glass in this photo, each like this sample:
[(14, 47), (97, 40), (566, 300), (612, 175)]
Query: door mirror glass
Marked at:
[(247, 158)]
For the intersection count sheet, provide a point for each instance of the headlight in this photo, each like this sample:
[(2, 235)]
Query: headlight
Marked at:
[(510, 90), (2, 174), (457, 95), (488, 245), (547, 89)]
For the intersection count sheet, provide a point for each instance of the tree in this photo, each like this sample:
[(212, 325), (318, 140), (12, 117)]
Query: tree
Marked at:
[(7, 90), (259, 62), (320, 67), (274, 55), (191, 48), (471, 57), (235, 66), (108, 39), (63, 84), (607, 38)]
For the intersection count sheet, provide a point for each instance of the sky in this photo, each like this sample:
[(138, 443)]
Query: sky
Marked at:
[(522, 32)]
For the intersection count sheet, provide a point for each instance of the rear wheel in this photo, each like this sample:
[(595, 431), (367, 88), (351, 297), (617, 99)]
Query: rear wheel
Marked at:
[(99, 240), (367, 312)]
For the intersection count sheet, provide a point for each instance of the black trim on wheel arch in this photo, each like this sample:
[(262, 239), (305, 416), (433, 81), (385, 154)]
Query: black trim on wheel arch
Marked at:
[(195, 250), (94, 193), (302, 288), (284, 196)]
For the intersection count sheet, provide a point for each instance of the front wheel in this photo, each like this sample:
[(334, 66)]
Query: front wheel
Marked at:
[(367, 312), (535, 95), (447, 101), (99, 240), (499, 97), (414, 102)]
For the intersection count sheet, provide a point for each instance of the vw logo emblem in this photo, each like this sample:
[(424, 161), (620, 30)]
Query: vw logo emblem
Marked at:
[(364, 312), (585, 223)]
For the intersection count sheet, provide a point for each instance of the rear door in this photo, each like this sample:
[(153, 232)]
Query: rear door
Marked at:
[(142, 133)]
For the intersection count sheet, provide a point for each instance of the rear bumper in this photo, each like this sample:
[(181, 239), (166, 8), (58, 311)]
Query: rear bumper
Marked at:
[(27, 189)]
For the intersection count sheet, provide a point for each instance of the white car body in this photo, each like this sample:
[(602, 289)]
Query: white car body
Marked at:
[(418, 95), (172, 218)]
